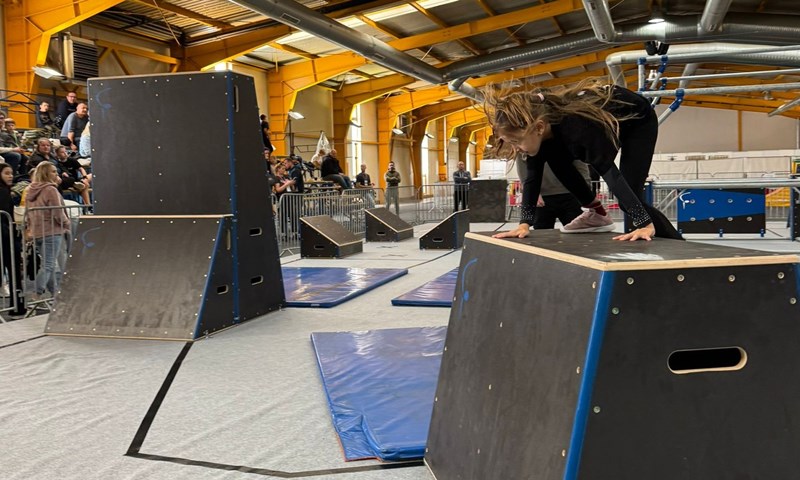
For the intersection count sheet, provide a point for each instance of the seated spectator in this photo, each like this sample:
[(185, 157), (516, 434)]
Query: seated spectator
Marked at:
[(12, 154), (316, 159), (42, 153), (363, 179), (74, 126), (73, 176), (47, 227), (44, 118), (85, 147), (10, 133), (332, 172), (65, 108)]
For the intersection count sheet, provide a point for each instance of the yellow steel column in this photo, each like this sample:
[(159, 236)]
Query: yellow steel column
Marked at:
[(440, 147), (392, 107), (417, 134), (284, 83), (345, 99), (28, 26), (480, 137)]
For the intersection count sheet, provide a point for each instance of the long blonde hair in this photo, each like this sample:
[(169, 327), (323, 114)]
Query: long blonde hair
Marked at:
[(41, 174), (513, 110)]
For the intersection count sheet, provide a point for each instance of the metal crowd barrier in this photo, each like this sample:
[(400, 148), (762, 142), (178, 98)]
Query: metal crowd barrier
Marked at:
[(346, 208), (25, 261), (10, 265)]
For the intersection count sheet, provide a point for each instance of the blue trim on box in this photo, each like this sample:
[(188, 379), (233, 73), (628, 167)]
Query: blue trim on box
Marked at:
[(209, 272), (231, 99), (589, 374), (797, 280)]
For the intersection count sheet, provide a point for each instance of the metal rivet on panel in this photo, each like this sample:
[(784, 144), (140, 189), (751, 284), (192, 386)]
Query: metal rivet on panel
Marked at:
[(731, 278), (596, 409), (681, 278), (615, 311), (630, 280), (780, 275)]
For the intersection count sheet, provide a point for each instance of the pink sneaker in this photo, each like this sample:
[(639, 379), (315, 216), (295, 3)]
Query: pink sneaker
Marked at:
[(588, 222)]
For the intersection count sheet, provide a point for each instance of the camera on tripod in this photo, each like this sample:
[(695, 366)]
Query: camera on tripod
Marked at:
[(307, 167)]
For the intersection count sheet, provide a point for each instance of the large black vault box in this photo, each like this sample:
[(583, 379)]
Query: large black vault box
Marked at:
[(179, 168), (579, 357)]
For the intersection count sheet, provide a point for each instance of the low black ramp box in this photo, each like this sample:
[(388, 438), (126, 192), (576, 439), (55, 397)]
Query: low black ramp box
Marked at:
[(156, 277), (322, 237), (447, 234), (384, 226), (578, 357)]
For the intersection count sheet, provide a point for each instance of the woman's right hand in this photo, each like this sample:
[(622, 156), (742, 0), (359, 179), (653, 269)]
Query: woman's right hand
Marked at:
[(520, 232)]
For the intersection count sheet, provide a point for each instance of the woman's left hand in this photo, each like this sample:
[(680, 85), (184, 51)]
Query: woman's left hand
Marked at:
[(647, 233)]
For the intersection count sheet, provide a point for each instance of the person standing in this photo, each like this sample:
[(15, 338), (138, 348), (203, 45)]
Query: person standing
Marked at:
[(49, 226), (461, 178), (393, 179), (265, 135), (10, 242)]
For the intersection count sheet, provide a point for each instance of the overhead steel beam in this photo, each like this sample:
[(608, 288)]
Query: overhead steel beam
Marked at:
[(28, 26)]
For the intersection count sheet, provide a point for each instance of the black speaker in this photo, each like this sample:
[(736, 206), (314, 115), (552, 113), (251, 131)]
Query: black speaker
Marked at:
[(448, 234), (322, 237), (384, 226)]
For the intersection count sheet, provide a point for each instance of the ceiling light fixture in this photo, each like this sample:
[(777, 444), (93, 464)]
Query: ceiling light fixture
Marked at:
[(295, 115), (49, 73), (657, 17), (397, 131)]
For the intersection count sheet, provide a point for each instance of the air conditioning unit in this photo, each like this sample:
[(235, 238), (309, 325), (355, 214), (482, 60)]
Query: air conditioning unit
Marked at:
[(74, 57)]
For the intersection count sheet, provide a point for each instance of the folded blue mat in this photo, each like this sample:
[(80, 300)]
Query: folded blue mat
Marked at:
[(380, 386), (438, 292), (327, 287)]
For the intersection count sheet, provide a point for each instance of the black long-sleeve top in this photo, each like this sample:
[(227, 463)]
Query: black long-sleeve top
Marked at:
[(330, 166), (576, 137)]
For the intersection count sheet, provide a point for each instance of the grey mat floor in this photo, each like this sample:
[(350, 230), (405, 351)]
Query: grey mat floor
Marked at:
[(248, 397)]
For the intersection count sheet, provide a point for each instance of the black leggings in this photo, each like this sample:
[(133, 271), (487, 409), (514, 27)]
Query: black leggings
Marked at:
[(637, 140)]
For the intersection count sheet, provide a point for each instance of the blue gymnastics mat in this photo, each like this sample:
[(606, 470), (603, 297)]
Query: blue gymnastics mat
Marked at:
[(436, 293), (327, 287), (380, 386)]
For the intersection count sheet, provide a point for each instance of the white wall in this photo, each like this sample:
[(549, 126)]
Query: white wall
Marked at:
[(693, 129), (369, 139), (760, 132), (260, 80), (316, 104)]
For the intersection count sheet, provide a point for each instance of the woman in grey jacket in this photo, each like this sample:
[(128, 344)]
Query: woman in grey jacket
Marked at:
[(48, 225)]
